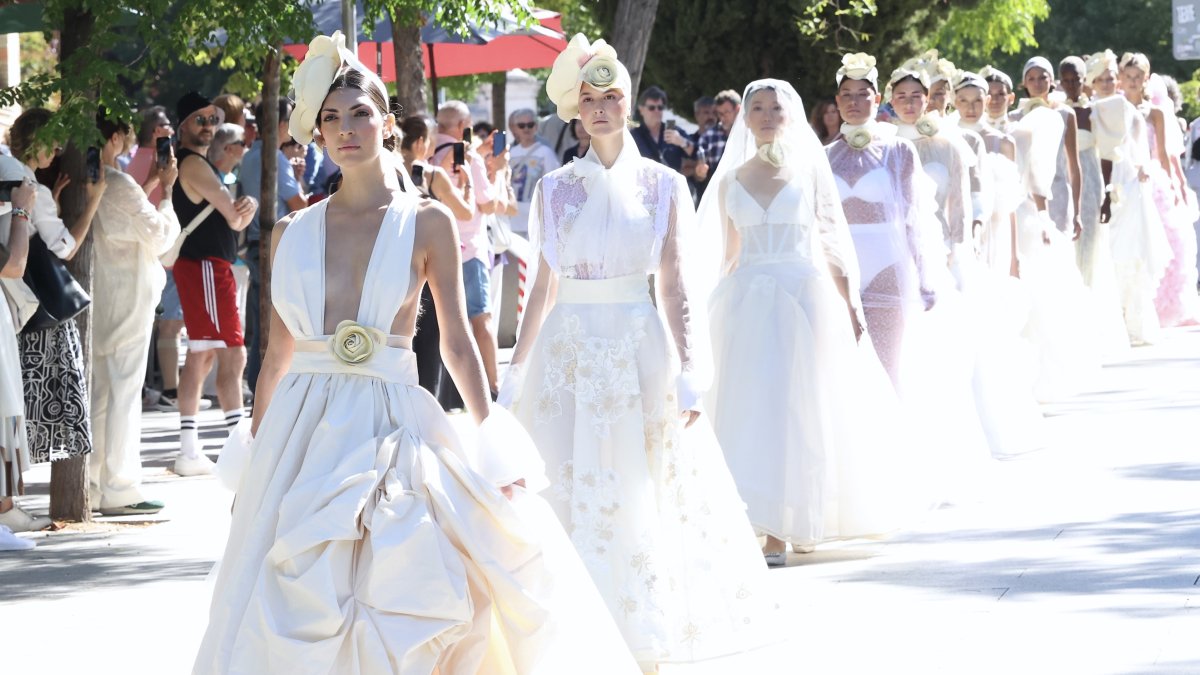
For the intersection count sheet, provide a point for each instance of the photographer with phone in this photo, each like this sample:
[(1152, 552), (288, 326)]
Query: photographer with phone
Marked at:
[(658, 140), (451, 153), (130, 233), (154, 150), (57, 415)]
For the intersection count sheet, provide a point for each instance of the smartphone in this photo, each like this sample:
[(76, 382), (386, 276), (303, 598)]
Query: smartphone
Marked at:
[(93, 165), (670, 124), (162, 150), (418, 174), (460, 155), (467, 135), (6, 189), (499, 143)]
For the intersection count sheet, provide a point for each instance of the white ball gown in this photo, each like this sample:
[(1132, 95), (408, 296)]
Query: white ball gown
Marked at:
[(807, 417), (362, 540), (650, 507)]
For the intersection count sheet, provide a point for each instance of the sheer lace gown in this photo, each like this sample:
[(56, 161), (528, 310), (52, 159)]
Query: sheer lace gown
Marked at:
[(650, 507), (792, 387), (878, 185), (1177, 301), (362, 541)]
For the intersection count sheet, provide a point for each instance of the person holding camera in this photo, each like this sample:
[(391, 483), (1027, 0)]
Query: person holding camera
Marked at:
[(204, 277), (655, 140), (130, 235), (453, 154)]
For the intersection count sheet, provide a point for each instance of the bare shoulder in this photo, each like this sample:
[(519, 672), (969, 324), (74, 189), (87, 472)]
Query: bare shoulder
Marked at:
[(281, 225), (434, 222)]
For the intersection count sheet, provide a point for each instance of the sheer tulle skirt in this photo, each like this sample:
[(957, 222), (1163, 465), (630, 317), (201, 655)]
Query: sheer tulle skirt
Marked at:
[(650, 507), (1177, 302), (806, 417), (1141, 254)]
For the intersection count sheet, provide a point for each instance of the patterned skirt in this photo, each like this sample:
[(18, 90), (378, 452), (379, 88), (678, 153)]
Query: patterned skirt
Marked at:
[(57, 416)]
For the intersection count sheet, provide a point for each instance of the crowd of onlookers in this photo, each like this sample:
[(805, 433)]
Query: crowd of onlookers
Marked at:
[(171, 206)]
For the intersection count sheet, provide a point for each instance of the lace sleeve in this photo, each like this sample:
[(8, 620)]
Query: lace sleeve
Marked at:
[(682, 313), (908, 173), (836, 241), (542, 276), (958, 202)]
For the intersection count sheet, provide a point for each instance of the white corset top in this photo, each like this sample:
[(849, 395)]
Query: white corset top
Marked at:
[(781, 231)]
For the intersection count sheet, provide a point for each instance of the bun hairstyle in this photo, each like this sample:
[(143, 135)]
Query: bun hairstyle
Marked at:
[(414, 128), (348, 77)]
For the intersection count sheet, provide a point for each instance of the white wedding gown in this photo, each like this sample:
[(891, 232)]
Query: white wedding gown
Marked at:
[(362, 540), (807, 417), (650, 507)]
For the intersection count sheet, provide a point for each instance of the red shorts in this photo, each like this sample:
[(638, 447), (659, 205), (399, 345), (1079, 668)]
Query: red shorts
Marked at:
[(208, 294)]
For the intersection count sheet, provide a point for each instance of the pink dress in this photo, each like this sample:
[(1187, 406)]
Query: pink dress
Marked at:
[(1177, 302)]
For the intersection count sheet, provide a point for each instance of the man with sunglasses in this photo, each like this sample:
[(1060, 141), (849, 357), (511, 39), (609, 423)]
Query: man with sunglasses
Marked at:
[(204, 277), (654, 141)]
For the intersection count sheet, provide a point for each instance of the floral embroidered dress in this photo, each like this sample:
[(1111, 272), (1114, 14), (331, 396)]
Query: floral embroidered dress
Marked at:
[(363, 540), (650, 507)]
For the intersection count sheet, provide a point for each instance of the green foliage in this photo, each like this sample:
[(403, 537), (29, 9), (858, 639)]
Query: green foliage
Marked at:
[(975, 33), (454, 16)]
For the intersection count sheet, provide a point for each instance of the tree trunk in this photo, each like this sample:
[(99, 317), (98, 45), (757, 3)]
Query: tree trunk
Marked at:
[(269, 130), (410, 68), (632, 27), (69, 477), (500, 100)]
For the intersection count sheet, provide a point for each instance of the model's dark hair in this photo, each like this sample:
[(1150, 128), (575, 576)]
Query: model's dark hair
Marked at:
[(23, 131), (414, 128), (353, 78), (110, 125), (911, 78)]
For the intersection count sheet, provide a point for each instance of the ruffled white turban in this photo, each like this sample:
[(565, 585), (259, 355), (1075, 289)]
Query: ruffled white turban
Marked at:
[(326, 56), (595, 63), (859, 66)]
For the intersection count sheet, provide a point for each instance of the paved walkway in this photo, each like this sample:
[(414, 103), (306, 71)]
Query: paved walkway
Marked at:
[(1081, 558)]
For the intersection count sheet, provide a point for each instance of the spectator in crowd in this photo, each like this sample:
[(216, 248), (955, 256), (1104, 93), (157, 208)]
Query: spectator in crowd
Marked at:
[(483, 133), (251, 126), (654, 140), (226, 151), (530, 159), (453, 190), (580, 134), (452, 118), (129, 235), (204, 276), (289, 197), (704, 109), (712, 142), (169, 325), (14, 442), (57, 404), (825, 120), (555, 133), (233, 107)]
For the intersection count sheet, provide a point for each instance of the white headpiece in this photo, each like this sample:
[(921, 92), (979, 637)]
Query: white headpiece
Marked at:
[(326, 56), (1037, 62), (1137, 60), (916, 68), (965, 78), (991, 74), (595, 63), (1098, 64), (859, 66)]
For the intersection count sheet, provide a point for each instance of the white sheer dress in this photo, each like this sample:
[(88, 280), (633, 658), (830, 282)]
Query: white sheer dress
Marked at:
[(650, 507), (362, 539)]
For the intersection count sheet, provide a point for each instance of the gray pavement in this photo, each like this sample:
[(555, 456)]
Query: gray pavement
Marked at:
[(1083, 557)]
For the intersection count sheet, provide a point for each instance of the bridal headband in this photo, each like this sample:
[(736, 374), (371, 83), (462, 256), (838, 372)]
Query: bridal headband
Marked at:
[(1137, 60), (917, 68), (1098, 64), (939, 70), (966, 78), (859, 66), (326, 56), (1037, 62), (991, 74), (595, 63)]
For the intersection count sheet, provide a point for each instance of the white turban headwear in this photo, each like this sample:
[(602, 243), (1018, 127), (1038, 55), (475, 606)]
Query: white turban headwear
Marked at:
[(595, 63)]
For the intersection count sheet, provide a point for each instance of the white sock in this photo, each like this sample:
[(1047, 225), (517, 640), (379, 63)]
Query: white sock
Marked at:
[(189, 440), (232, 417)]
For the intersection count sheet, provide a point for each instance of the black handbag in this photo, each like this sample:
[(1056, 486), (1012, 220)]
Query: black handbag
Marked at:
[(59, 296)]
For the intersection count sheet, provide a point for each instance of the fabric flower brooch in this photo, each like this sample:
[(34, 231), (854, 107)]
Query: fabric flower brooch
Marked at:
[(354, 344)]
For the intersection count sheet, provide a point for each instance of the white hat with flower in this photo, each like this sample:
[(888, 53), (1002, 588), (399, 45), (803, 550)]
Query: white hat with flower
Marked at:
[(326, 56), (859, 66), (595, 63)]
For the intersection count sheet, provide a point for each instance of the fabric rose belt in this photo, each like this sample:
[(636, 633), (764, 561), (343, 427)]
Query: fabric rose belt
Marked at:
[(617, 290), (355, 349)]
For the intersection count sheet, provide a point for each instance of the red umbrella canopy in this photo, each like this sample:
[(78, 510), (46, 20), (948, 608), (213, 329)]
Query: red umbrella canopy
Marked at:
[(507, 52)]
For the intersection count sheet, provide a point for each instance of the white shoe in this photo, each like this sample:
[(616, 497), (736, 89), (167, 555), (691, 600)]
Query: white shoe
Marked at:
[(200, 465), (11, 542), (17, 520), (804, 548)]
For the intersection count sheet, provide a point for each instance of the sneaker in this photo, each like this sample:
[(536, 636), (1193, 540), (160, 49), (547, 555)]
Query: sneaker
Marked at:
[(17, 520), (140, 508), (200, 465), (168, 404), (11, 542)]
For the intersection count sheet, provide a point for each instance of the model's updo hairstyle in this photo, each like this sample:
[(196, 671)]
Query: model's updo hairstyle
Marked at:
[(352, 78), (414, 128)]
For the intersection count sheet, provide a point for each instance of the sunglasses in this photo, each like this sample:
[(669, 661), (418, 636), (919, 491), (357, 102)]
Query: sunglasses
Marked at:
[(210, 121), (653, 107), (241, 143), (525, 125)]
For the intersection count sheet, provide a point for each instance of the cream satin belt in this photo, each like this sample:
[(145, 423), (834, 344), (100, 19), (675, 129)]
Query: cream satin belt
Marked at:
[(617, 290), (392, 362)]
